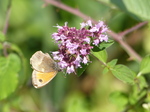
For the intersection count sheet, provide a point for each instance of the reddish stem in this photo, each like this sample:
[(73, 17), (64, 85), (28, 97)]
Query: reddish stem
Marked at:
[(114, 35), (133, 28), (7, 17)]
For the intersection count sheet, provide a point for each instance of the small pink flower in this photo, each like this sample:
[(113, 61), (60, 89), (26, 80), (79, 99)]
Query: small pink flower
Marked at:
[(89, 23), (96, 42), (85, 60), (70, 69), (83, 52)]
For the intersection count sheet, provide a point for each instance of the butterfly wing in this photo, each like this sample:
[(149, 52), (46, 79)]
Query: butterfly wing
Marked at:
[(43, 62), (40, 79)]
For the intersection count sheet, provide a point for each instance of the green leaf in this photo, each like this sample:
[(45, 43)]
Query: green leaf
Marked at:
[(118, 98), (15, 48), (9, 68), (141, 82), (123, 73), (138, 9), (101, 55), (145, 65), (102, 46), (81, 70), (105, 70), (112, 63), (23, 75), (2, 37)]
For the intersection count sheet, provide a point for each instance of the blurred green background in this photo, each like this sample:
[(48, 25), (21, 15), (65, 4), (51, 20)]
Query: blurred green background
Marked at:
[(30, 28)]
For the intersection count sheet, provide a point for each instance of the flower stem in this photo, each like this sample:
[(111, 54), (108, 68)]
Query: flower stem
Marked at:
[(7, 17), (114, 35)]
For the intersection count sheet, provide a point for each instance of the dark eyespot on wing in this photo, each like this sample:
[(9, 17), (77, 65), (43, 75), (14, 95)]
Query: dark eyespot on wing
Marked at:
[(40, 80)]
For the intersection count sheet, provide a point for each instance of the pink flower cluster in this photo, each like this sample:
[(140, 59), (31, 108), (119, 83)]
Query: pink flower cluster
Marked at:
[(75, 44)]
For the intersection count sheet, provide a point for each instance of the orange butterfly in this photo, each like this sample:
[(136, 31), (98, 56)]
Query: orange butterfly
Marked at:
[(44, 69)]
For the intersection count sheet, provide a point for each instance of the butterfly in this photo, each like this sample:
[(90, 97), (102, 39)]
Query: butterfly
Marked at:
[(44, 69)]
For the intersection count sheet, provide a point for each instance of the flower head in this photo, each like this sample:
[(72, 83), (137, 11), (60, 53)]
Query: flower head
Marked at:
[(75, 44)]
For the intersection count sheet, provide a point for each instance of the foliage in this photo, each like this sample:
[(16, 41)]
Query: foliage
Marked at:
[(117, 78)]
